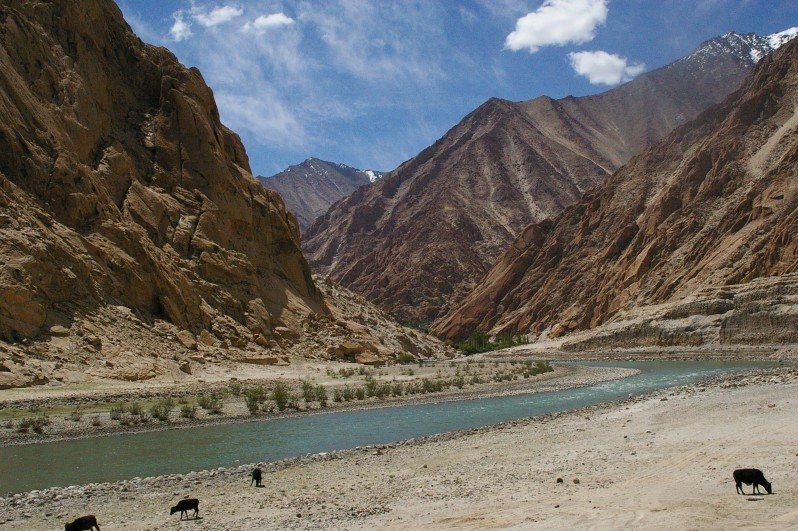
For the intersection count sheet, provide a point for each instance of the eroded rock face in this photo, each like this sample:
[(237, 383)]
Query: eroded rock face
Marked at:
[(416, 241), (713, 205), (119, 185)]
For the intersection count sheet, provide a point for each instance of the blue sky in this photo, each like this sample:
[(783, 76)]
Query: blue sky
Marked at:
[(372, 82)]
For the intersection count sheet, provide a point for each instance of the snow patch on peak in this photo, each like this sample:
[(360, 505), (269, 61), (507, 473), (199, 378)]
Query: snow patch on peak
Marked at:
[(774, 42), (779, 39), (748, 47), (372, 175)]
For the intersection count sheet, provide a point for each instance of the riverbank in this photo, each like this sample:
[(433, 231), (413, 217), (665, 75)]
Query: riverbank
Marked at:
[(473, 378), (664, 459), (555, 350)]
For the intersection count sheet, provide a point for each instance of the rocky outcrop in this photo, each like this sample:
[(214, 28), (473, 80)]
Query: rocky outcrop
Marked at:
[(365, 334), (119, 184), (131, 227), (416, 241), (763, 311), (690, 224), (309, 188)]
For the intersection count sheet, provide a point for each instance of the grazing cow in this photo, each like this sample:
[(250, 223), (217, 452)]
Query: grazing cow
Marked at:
[(751, 476), (84, 523), (257, 477), (183, 506)]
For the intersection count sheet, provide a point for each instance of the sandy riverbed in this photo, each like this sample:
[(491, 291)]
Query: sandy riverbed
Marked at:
[(646, 464)]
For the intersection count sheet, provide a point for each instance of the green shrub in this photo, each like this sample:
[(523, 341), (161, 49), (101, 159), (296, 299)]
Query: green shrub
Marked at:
[(188, 411), (252, 404), (161, 409), (480, 342), (431, 386), (397, 389), (282, 396), (371, 386), (308, 394), (360, 393), (405, 358), (320, 394), (210, 403), (135, 409), (117, 411), (35, 424), (338, 395), (348, 393), (253, 398)]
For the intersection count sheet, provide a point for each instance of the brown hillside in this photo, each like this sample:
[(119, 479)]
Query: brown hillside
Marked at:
[(419, 239), (713, 205)]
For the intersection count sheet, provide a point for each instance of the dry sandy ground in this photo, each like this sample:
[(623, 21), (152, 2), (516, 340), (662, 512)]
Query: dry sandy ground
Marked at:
[(651, 463)]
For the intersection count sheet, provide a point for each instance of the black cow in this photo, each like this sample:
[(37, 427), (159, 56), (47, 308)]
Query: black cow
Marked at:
[(751, 476), (183, 506), (84, 523), (257, 477)]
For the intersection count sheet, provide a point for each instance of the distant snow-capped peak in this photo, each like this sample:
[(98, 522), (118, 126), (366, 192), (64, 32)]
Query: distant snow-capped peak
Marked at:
[(372, 175), (748, 47)]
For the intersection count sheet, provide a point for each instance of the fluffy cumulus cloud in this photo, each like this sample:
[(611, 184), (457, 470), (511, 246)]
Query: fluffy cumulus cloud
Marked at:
[(602, 68), (217, 16), (181, 29), (557, 23), (266, 22)]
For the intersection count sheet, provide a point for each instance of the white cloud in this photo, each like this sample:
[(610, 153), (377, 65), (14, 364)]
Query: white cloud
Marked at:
[(378, 40), (558, 22), (333, 64), (263, 115), (602, 68), (181, 29), (217, 16), (266, 22)]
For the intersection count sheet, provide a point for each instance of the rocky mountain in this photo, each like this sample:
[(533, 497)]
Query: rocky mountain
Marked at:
[(131, 228), (309, 188), (420, 238), (694, 240)]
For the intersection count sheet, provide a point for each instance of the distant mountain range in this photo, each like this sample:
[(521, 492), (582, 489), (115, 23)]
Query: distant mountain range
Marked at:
[(694, 240), (420, 238), (309, 188)]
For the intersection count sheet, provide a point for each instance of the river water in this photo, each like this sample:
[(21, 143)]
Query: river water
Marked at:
[(125, 456)]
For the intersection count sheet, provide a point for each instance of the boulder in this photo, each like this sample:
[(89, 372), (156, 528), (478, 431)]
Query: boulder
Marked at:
[(187, 339), (9, 380), (286, 333), (206, 338), (368, 358)]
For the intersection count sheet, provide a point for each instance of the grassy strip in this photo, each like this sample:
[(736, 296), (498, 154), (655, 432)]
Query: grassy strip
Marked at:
[(479, 342)]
